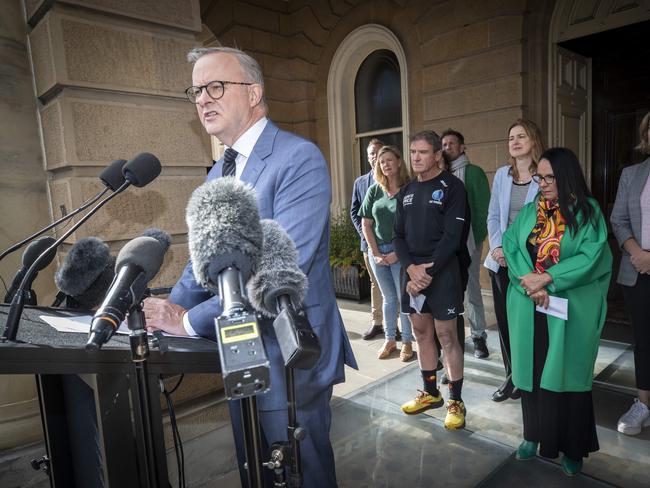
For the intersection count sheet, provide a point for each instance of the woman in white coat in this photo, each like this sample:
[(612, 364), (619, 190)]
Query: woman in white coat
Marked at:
[(512, 188)]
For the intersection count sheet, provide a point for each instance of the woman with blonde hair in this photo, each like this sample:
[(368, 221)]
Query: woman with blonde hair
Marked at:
[(631, 225), (377, 216), (512, 188)]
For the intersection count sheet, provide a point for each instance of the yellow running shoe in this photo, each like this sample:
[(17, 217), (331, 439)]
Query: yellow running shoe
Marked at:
[(455, 418), (422, 402)]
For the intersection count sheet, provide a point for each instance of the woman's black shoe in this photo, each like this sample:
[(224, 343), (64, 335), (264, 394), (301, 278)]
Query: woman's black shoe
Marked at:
[(516, 394), (504, 391)]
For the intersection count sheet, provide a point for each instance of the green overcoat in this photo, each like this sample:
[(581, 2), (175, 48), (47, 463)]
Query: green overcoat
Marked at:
[(582, 276)]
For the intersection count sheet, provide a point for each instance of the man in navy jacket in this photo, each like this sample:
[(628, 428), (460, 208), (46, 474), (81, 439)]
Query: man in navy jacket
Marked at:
[(361, 185)]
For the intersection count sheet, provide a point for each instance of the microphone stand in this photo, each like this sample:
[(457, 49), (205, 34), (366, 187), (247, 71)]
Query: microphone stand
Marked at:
[(300, 350), (83, 207), (235, 304), (288, 452), (139, 355), (18, 302)]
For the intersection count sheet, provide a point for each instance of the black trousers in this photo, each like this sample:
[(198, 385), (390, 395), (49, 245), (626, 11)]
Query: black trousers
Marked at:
[(500, 282), (637, 299), (560, 422)]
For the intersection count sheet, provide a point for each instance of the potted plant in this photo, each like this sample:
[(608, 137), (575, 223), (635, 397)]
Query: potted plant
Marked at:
[(349, 273)]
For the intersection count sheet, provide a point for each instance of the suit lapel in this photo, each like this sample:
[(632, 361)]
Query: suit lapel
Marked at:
[(263, 148)]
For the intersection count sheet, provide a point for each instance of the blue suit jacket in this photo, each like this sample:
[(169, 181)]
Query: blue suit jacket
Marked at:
[(293, 187), (361, 185)]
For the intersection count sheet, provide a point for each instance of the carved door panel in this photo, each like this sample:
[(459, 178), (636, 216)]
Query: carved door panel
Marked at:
[(572, 127)]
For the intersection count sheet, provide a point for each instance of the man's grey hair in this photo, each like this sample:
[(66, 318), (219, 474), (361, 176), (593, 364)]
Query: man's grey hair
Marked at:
[(250, 67), (431, 137)]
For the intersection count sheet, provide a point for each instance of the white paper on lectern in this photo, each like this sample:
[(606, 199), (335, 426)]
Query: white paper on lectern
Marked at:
[(558, 307), (81, 324)]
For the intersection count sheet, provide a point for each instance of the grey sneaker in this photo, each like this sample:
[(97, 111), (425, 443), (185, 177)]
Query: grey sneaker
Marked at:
[(632, 421)]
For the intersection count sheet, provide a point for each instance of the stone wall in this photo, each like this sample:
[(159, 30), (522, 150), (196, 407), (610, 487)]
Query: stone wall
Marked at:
[(92, 81), (475, 66)]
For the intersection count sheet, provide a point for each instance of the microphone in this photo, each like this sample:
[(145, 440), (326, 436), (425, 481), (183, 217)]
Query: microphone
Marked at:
[(225, 238), (142, 169), (137, 263), (31, 254), (111, 177), (278, 274), (224, 232), (276, 290), (160, 235), (85, 274)]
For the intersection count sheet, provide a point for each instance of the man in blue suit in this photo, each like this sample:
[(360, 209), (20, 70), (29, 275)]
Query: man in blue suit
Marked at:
[(359, 190), (292, 184)]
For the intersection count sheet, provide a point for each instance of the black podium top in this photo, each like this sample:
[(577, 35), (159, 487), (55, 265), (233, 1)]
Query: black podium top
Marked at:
[(41, 349)]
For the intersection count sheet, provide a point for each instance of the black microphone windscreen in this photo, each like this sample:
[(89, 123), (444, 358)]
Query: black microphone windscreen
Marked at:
[(86, 260), (223, 229), (142, 169), (112, 175), (145, 252), (35, 249), (160, 235), (93, 296), (277, 273)]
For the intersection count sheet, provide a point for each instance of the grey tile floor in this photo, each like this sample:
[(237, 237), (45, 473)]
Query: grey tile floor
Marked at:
[(376, 445)]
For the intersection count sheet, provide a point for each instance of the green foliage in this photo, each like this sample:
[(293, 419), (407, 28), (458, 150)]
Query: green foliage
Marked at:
[(344, 242)]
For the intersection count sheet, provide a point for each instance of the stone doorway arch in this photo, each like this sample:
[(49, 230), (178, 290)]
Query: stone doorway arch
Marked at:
[(340, 100)]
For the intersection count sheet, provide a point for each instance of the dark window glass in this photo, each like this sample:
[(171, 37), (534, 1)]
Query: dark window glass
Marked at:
[(377, 92)]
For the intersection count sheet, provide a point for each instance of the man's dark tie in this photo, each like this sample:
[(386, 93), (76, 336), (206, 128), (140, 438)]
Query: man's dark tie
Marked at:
[(229, 162)]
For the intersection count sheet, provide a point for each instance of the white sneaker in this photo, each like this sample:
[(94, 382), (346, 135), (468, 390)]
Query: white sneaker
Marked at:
[(637, 417)]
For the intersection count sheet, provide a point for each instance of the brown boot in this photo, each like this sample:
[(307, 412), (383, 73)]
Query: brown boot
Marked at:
[(406, 354), (386, 349)]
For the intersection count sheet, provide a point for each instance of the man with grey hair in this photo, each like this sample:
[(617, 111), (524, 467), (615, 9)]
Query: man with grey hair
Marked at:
[(292, 184), (430, 232)]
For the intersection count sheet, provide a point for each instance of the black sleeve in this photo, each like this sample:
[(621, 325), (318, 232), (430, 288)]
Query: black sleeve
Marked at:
[(454, 226), (355, 205), (401, 247)]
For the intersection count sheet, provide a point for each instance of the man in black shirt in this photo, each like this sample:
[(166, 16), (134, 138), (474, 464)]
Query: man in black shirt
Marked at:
[(429, 231)]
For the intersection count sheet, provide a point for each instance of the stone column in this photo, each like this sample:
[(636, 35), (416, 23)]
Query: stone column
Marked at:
[(108, 82), (24, 205)]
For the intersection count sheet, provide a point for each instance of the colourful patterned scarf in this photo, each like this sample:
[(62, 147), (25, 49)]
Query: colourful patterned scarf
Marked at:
[(547, 234)]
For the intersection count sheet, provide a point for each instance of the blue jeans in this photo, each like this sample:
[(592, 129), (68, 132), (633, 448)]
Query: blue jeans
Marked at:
[(388, 278)]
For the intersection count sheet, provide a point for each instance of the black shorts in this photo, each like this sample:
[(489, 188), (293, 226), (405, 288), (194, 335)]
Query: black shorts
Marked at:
[(444, 295)]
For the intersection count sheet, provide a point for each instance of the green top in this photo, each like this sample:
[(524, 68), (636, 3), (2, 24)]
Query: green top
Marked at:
[(478, 195), (379, 207), (581, 276)]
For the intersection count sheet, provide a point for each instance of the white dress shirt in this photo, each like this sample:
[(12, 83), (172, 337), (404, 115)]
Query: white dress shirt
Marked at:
[(244, 147)]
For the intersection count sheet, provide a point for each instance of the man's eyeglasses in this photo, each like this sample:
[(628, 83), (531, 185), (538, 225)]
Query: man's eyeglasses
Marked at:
[(548, 179), (215, 89)]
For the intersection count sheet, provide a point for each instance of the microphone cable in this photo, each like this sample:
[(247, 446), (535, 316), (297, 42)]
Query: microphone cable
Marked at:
[(178, 443)]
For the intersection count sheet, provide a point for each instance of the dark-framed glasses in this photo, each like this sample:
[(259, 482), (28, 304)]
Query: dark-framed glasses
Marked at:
[(215, 89), (548, 179)]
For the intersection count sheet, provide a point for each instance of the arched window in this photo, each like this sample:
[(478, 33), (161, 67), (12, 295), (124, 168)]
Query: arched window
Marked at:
[(378, 102), (348, 140)]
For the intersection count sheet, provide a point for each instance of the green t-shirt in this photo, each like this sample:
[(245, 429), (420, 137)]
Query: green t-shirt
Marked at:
[(378, 206)]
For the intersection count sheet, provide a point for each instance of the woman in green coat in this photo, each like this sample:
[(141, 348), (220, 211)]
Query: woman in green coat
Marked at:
[(557, 248)]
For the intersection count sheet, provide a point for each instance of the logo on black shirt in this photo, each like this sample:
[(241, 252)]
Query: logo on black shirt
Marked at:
[(408, 200), (437, 197)]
